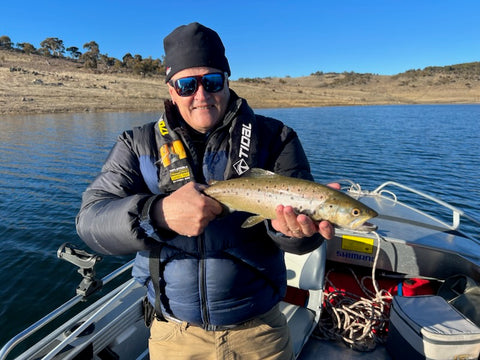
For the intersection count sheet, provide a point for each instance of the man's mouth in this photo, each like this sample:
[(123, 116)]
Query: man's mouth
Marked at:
[(203, 107)]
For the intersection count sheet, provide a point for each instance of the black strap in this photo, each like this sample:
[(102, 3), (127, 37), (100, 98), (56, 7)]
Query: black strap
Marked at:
[(154, 267)]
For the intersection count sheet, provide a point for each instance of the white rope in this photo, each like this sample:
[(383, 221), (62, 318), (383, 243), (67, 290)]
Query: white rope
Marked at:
[(360, 321)]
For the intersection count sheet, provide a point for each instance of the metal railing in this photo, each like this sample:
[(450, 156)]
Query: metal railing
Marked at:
[(457, 213), (25, 334)]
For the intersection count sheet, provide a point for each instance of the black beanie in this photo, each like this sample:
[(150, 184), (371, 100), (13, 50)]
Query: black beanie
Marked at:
[(193, 45)]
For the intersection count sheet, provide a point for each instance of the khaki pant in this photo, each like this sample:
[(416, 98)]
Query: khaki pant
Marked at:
[(266, 337)]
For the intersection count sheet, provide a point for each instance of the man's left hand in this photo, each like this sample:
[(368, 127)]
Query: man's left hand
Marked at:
[(298, 226)]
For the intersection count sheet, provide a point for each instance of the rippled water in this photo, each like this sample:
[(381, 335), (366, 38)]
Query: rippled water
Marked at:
[(47, 161), (434, 148)]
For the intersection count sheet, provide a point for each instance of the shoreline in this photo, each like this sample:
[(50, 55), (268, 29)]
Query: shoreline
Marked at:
[(31, 84)]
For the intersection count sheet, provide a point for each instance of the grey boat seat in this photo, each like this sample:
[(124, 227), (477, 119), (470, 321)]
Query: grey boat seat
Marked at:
[(305, 272)]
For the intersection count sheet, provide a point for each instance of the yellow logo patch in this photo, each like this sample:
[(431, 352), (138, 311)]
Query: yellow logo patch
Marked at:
[(179, 174)]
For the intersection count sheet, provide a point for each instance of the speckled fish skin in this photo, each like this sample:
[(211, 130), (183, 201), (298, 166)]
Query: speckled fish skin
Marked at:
[(260, 192)]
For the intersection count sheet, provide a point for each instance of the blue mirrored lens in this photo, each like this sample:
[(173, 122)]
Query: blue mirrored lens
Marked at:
[(188, 86), (212, 82)]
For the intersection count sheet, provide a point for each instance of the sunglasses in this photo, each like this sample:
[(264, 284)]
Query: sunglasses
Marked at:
[(187, 86)]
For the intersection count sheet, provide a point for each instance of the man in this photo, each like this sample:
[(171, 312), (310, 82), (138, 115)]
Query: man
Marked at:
[(215, 287)]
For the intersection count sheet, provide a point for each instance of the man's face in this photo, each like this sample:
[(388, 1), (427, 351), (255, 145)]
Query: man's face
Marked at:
[(202, 110)]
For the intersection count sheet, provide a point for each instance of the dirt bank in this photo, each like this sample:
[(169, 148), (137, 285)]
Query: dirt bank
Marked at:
[(32, 84)]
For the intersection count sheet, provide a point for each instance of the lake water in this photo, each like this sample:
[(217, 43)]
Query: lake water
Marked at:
[(47, 161)]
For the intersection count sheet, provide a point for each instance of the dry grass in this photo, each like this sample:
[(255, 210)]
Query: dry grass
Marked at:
[(35, 84)]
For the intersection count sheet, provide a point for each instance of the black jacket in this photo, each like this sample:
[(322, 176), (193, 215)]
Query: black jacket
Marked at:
[(226, 275)]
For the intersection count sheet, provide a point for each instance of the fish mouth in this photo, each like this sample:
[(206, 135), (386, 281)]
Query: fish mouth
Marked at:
[(366, 227), (362, 225)]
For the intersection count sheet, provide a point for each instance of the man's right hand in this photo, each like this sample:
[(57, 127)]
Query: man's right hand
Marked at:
[(186, 211)]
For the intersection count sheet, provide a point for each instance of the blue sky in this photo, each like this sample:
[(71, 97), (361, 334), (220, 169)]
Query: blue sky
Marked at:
[(267, 38)]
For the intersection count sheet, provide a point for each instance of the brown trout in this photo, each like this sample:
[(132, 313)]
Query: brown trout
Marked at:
[(260, 192)]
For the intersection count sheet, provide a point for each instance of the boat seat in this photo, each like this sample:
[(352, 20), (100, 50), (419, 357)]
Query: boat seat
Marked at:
[(305, 272)]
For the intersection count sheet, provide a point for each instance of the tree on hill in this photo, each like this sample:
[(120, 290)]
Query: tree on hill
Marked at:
[(27, 48), (127, 60), (92, 47), (53, 46), (91, 56), (74, 53), (108, 61), (141, 66), (5, 42)]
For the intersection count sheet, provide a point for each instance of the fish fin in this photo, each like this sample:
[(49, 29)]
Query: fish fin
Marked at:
[(211, 182), (259, 173), (252, 220)]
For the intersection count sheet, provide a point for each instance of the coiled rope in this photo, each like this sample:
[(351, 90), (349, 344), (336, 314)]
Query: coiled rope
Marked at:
[(360, 321)]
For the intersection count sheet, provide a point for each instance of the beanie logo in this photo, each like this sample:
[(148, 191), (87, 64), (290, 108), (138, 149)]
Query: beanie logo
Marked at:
[(169, 69)]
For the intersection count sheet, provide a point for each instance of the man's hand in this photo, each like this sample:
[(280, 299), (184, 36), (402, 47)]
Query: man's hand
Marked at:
[(186, 211), (298, 226), (290, 224)]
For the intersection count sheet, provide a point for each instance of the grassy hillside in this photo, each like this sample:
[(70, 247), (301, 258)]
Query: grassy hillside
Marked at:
[(39, 84)]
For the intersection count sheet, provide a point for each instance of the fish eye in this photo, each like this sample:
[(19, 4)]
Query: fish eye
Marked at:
[(355, 212)]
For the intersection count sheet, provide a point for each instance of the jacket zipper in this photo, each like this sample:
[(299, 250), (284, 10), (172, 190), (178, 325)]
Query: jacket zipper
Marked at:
[(203, 281), (201, 241)]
